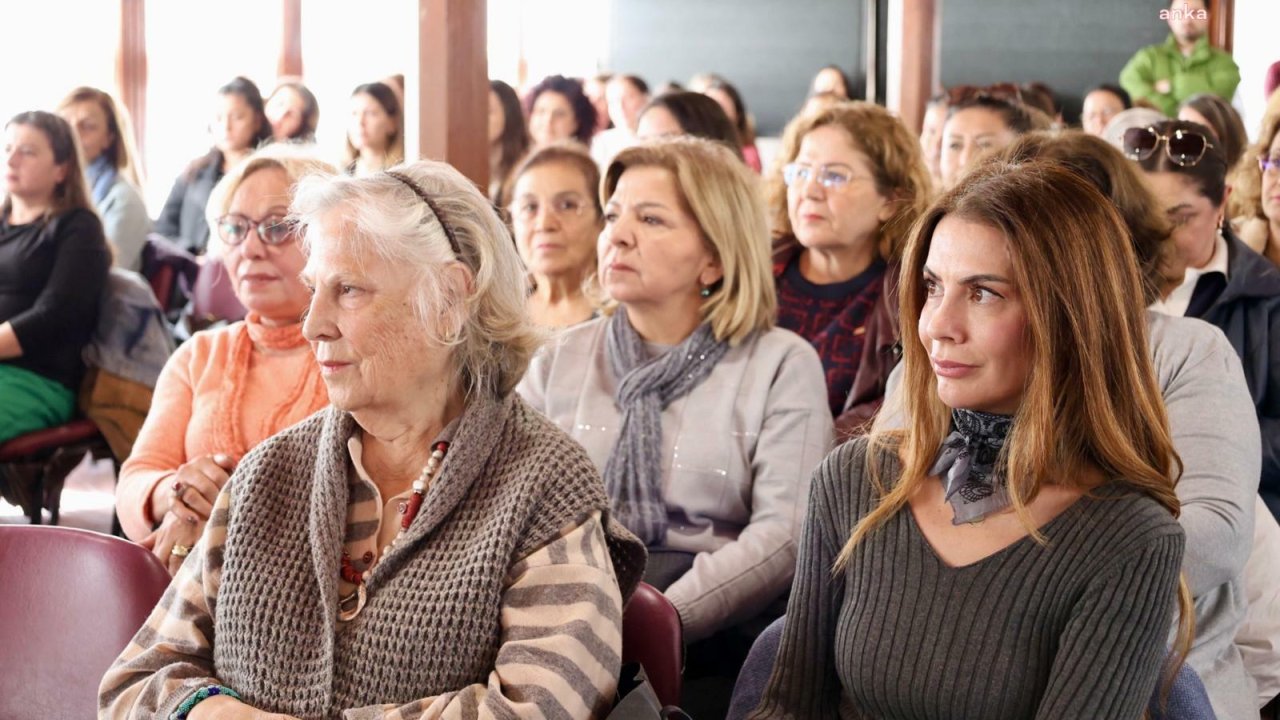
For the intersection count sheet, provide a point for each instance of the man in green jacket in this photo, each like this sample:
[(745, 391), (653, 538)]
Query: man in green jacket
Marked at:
[(1183, 65)]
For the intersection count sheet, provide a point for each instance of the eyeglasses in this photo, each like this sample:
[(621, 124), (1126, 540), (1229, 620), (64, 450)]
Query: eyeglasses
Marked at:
[(1185, 148), (272, 230), (526, 209), (827, 176), (1269, 163)]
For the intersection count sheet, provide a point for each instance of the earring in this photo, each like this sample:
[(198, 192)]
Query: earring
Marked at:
[(705, 292)]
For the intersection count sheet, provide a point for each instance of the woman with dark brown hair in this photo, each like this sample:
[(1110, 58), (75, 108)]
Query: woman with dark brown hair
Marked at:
[(375, 133), (723, 92), (1014, 552), (508, 138), (1217, 114), (688, 113), (239, 125), (1226, 283), (850, 182), (54, 262)]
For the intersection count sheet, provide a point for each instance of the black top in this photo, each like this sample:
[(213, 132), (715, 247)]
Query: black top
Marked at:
[(182, 219), (52, 275)]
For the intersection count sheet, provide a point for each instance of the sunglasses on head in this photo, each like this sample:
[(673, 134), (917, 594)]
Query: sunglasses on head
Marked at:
[(1185, 148)]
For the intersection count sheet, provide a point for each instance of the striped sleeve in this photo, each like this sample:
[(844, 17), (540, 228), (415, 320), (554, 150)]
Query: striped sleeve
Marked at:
[(172, 655), (561, 641)]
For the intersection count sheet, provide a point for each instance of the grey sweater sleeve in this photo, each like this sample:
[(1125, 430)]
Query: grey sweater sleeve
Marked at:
[(804, 682), (1209, 410), (1110, 656)]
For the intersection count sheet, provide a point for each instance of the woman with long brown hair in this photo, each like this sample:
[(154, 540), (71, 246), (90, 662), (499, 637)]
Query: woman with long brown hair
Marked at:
[(1014, 551), (54, 262), (112, 180)]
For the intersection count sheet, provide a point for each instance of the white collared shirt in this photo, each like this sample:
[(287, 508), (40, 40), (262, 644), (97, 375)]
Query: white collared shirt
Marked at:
[(1178, 300)]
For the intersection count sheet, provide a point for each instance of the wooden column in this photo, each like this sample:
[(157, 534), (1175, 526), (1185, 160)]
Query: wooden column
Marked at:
[(289, 64), (131, 72), (1222, 22), (453, 86), (919, 50)]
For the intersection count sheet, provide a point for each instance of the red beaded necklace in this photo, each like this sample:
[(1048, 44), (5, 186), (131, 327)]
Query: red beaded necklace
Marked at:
[(351, 605)]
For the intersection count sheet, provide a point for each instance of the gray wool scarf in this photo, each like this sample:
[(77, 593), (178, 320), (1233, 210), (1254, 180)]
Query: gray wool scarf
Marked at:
[(633, 475)]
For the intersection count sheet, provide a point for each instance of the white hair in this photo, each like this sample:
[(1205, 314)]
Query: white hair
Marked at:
[(489, 327)]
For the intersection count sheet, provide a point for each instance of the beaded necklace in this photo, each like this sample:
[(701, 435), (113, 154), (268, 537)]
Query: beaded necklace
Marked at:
[(350, 606)]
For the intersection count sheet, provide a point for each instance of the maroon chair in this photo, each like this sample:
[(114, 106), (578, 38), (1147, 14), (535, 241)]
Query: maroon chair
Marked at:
[(653, 636), (72, 601), (34, 466)]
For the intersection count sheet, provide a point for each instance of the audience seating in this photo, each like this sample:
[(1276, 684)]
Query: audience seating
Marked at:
[(72, 601), (34, 466), (653, 636)]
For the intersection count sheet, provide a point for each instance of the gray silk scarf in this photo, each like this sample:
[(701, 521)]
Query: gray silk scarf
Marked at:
[(633, 475), (967, 465)]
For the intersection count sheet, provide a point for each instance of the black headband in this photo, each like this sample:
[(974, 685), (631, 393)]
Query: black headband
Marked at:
[(448, 233)]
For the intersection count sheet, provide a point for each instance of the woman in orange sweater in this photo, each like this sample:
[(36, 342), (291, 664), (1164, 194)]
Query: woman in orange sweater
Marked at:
[(226, 390)]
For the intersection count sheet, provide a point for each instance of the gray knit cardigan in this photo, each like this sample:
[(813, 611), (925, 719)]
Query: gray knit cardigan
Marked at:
[(512, 482)]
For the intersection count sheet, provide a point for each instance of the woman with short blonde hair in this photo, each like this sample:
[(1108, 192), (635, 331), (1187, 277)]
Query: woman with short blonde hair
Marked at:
[(704, 418), (226, 390)]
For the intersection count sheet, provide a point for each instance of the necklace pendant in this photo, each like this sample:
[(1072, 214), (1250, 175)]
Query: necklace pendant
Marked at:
[(350, 606)]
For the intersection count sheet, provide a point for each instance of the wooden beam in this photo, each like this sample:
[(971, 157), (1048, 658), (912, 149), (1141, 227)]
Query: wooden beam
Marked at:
[(453, 86), (919, 50), (1222, 20), (289, 65), (131, 73)]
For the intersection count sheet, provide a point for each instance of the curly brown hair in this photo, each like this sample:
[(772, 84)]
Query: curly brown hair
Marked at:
[(897, 165)]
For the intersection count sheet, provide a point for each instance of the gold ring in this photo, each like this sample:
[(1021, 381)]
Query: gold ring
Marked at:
[(180, 550)]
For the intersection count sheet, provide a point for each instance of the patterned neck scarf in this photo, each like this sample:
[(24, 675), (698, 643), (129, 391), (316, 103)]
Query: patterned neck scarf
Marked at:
[(966, 465)]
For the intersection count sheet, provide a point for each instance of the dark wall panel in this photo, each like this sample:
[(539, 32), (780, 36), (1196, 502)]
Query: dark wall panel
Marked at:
[(769, 49), (1069, 45)]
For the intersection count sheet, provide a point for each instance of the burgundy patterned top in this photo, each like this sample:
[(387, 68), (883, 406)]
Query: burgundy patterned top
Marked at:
[(833, 317)]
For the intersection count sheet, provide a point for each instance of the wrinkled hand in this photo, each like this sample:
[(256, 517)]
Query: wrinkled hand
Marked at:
[(191, 491), (224, 707), (173, 531)]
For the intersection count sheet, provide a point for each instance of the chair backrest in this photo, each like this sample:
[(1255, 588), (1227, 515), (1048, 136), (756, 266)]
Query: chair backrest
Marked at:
[(72, 600), (653, 636)]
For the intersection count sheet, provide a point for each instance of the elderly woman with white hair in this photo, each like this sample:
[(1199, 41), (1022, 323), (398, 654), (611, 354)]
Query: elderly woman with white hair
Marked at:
[(428, 546)]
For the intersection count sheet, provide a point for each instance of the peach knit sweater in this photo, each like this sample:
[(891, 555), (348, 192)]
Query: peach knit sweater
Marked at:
[(223, 391)]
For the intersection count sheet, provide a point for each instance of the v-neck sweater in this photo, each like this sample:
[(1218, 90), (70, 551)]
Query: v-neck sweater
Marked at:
[(1075, 628)]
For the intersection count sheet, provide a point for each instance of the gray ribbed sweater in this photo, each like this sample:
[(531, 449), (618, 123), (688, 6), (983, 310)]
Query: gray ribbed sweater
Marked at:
[(1072, 630)]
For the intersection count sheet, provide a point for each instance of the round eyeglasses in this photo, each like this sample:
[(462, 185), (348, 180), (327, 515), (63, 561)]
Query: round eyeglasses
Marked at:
[(272, 230)]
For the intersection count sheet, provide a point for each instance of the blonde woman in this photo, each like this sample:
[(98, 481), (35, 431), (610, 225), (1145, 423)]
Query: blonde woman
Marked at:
[(226, 390), (1015, 551), (704, 418)]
